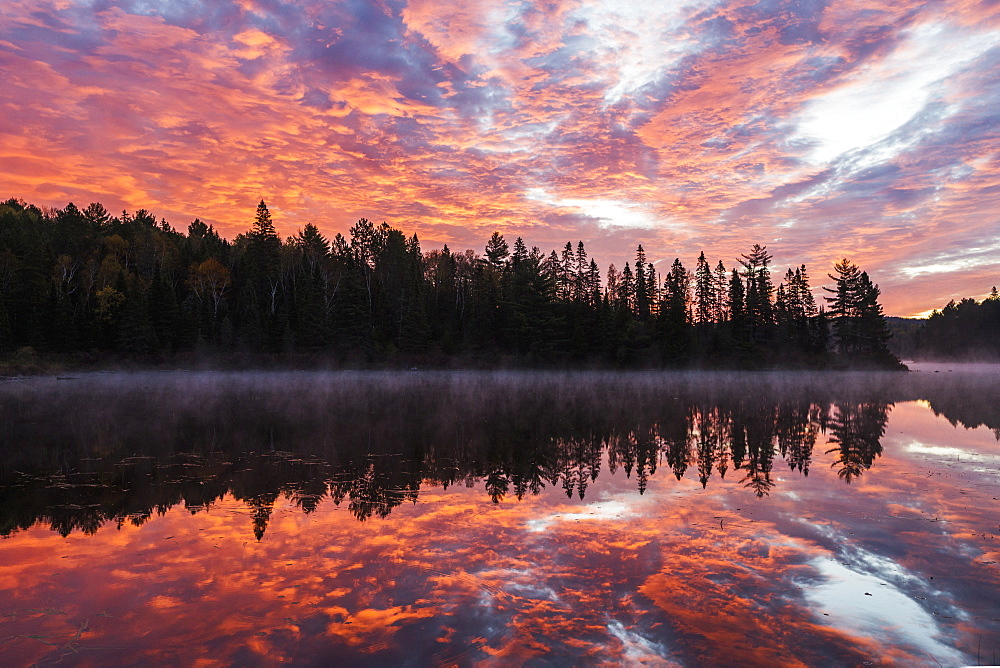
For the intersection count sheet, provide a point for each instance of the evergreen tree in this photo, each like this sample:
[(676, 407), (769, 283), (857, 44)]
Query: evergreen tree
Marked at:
[(965, 330), (704, 292), (858, 322), (497, 250), (675, 330), (641, 285), (758, 309), (626, 290), (580, 292), (720, 312), (567, 273), (845, 304), (737, 308), (78, 280)]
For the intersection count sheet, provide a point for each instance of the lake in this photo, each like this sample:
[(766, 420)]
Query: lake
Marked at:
[(507, 518)]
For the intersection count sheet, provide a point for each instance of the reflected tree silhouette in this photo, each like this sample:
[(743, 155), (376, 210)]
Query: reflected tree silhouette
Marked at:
[(857, 428), (74, 460)]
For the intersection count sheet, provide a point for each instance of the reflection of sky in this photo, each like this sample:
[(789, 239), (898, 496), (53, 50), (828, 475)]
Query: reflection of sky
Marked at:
[(679, 574), (865, 128)]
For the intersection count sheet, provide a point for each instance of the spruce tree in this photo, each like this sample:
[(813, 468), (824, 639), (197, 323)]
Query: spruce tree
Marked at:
[(704, 292), (497, 250), (858, 322), (641, 285)]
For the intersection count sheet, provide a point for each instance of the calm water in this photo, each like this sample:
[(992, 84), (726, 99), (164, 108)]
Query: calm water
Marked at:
[(478, 518)]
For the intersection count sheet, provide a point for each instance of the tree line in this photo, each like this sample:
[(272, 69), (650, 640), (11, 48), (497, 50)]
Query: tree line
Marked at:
[(75, 280), (965, 330)]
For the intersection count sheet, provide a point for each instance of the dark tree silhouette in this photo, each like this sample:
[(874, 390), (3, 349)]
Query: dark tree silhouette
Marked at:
[(75, 281)]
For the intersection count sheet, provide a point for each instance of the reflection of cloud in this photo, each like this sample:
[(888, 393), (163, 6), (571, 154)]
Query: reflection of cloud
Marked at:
[(599, 511), (638, 650), (956, 454), (868, 605)]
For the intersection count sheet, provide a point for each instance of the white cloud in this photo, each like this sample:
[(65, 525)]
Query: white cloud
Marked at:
[(970, 258), (885, 95), (612, 509), (637, 42), (636, 649), (609, 212), (871, 606)]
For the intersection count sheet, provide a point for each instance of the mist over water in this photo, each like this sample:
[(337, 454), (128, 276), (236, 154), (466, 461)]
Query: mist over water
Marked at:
[(678, 490)]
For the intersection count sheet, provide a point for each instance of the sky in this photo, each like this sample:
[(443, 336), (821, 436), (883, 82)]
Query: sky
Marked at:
[(860, 129)]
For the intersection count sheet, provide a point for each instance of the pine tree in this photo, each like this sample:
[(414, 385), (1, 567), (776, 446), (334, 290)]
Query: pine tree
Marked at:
[(641, 285), (520, 255), (720, 286), (737, 307), (858, 322), (567, 272), (845, 304), (675, 329), (704, 292), (593, 284), (759, 309), (652, 289), (626, 291)]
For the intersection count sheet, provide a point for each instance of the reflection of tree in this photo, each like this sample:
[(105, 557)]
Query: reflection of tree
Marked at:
[(261, 507), (375, 486), (635, 451), (706, 430), (674, 436), (856, 429), (797, 425), (374, 448), (580, 464), (307, 494), (965, 408), (757, 424), (497, 485)]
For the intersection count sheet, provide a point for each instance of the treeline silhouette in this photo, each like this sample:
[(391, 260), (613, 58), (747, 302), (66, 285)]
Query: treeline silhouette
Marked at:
[(84, 281), (967, 330), (75, 457)]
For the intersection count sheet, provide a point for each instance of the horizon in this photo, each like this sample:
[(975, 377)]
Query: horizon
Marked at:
[(859, 130), (818, 289)]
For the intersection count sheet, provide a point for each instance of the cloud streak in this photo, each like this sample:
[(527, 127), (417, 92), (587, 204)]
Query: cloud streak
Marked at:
[(822, 130)]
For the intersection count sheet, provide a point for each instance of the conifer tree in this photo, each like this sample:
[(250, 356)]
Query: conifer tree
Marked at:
[(626, 291), (704, 292), (641, 285), (737, 307), (582, 266), (858, 321), (720, 285), (758, 309), (675, 332), (567, 273)]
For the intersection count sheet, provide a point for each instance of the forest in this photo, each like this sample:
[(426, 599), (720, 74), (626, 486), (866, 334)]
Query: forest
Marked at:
[(90, 286), (967, 330)]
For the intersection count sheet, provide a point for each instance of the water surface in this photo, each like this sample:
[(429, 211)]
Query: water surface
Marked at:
[(488, 518)]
